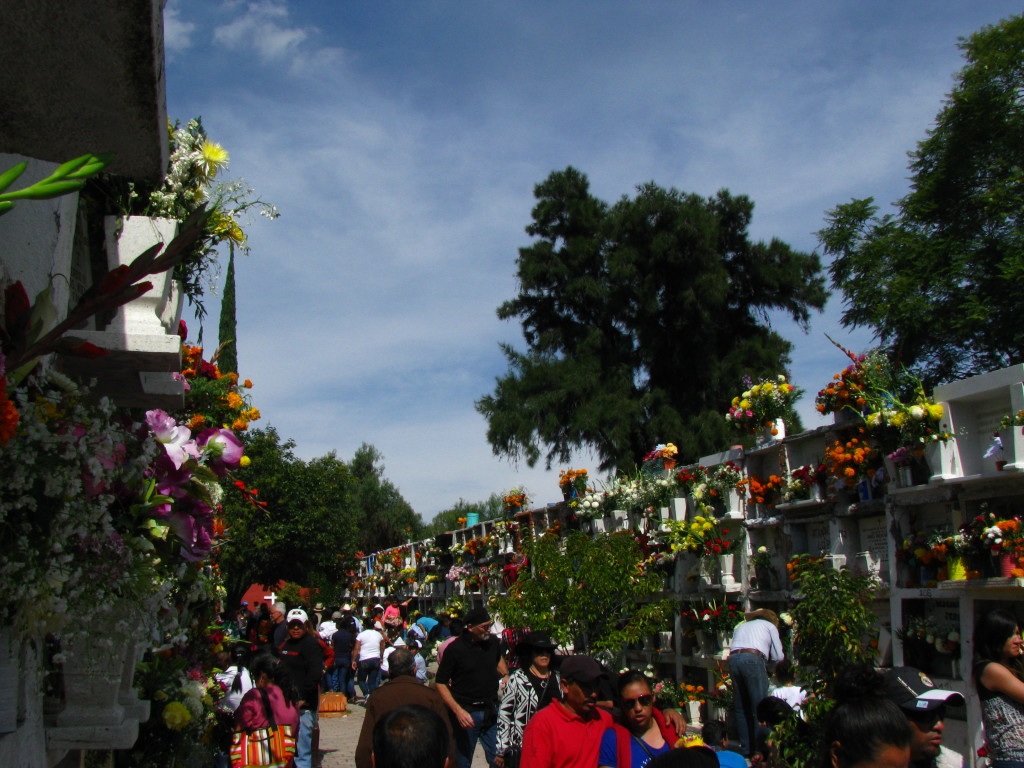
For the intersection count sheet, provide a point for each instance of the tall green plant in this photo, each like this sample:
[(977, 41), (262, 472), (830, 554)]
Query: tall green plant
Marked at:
[(587, 592), (834, 627)]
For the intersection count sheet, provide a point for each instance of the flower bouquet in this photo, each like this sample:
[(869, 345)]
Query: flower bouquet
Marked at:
[(803, 482), (851, 461), (515, 501), (762, 404), (573, 484), (662, 457)]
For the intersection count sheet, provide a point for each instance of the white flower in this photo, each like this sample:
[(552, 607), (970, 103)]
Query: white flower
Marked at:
[(917, 413)]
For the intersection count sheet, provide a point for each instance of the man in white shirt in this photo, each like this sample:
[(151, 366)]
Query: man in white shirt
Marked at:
[(329, 626), (366, 657), (755, 644)]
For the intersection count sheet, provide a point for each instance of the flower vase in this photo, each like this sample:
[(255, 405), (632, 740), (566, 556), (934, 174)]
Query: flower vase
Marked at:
[(956, 568), (668, 464), (708, 571), (768, 435), (905, 475), (692, 712), (727, 563), (929, 575), (1006, 564), (722, 641), (705, 643), (92, 678), (665, 641), (817, 493), (864, 492)]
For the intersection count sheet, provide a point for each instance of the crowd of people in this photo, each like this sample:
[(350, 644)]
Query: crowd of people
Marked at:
[(527, 706)]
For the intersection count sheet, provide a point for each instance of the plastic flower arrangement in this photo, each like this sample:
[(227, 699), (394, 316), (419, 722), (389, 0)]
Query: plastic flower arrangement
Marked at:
[(573, 484), (212, 398), (714, 617), (851, 461), (515, 500), (802, 481), (1011, 421), (642, 494), (191, 180), (761, 404), (763, 491), (703, 535), (662, 457)]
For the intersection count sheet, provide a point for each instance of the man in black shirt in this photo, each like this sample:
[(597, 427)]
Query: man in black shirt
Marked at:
[(303, 657), (467, 680)]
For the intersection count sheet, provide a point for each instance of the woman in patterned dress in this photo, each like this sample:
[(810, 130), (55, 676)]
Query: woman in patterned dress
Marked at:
[(999, 650), (529, 689)]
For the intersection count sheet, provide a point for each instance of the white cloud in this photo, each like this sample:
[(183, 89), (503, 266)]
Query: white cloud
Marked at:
[(177, 33), (263, 27)]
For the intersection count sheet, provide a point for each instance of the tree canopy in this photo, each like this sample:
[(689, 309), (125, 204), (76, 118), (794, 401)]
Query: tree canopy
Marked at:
[(309, 518), (937, 280), (640, 320)]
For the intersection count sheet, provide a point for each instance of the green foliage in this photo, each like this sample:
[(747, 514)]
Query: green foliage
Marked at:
[(834, 623), (309, 519), (590, 592), (639, 318), (447, 520), (937, 280), (291, 595)]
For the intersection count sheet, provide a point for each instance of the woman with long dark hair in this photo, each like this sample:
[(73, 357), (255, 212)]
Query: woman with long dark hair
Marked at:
[(865, 729), (273, 678), (530, 688), (998, 651), (641, 732)]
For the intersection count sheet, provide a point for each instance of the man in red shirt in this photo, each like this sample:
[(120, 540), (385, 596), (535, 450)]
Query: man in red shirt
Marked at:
[(567, 733)]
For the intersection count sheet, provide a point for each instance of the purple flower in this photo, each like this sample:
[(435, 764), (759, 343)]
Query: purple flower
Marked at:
[(176, 439), (223, 448)]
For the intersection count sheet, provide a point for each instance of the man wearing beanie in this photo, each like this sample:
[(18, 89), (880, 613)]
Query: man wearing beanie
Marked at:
[(468, 680)]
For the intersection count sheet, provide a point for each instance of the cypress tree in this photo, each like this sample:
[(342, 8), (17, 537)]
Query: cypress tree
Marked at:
[(227, 359)]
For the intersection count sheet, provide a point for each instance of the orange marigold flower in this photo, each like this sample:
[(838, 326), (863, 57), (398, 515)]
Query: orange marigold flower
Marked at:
[(235, 401), (196, 422), (247, 384), (9, 417), (239, 425)]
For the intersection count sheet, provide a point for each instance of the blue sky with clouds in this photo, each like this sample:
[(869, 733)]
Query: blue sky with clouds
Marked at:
[(401, 141)]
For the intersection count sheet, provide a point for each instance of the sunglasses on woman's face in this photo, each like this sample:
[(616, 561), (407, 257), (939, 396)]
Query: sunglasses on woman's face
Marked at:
[(644, 701)]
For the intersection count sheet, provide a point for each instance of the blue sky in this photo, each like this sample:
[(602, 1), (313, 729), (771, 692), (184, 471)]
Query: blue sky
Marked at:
[(401, 141)]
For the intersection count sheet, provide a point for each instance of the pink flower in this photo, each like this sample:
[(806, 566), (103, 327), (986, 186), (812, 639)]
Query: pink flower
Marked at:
[(223, 448), (176, 439)]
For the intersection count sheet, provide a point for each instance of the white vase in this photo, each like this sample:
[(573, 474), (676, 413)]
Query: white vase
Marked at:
[(93, 668), (664, 641), (157, 311), (772, 434), (727, 563)]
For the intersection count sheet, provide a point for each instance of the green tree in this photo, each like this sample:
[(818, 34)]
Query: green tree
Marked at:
[(640, 320), (937, 280), (834, 627), (384, 518), (589, 592), (227, 357)]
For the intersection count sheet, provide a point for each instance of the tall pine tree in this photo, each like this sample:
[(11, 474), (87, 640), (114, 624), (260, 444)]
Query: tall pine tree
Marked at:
[(227, 358)]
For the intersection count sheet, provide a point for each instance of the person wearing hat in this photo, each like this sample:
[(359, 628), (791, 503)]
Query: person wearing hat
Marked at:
[(303, 658), (530, 688), (467, 679), (925, 708), (567, 732), (755, 644), (348, 611), (328, 627)]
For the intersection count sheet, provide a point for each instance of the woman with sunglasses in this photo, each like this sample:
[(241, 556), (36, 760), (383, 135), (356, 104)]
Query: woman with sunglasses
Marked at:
[(998, 650), (641, 732)]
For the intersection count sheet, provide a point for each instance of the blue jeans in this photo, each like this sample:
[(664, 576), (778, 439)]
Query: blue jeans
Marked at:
[(369, 675), (749, 685), (341, 680), (308, 720), (466, 739)]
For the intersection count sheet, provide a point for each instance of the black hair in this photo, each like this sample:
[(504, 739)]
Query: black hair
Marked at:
[(629, 677), (772, 710), (240, 655), (864, 721), (784, 671), (991, 632), (271, 666), (410, 737), (714, 733), (456, 626), (685, 757)]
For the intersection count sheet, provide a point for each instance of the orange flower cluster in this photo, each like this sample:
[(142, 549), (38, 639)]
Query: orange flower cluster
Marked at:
[(213, 395), (571, 478), (9, 415), (515, 500), (851, 461), (846, 388), (763, 491)]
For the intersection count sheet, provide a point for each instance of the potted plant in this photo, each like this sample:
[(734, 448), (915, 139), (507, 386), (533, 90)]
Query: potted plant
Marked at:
[(762, 407)]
